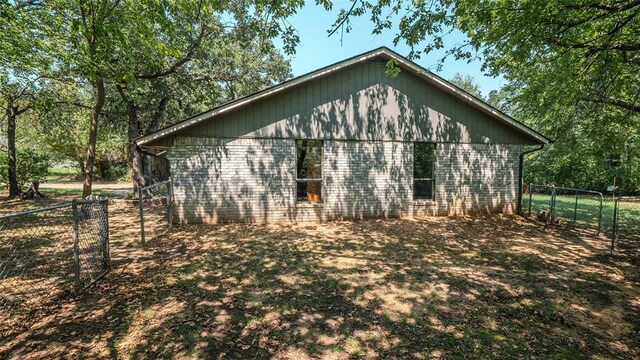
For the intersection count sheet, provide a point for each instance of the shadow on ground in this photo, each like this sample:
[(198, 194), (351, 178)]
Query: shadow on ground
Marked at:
[(495, 287)]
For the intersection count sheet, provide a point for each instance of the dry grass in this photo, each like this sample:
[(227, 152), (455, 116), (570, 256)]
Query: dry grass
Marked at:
[(495, 287)]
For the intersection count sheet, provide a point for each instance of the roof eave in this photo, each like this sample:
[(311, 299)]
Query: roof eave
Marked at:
[(391, 55), (261, 94), (460, 93)]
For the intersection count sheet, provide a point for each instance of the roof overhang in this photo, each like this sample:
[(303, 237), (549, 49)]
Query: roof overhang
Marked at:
[(384, 52)]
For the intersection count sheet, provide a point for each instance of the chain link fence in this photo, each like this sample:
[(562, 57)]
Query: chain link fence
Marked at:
[(90, 240), (537, 201), (564, 206), (616, 218), (626, 224), (48, 254), (156, 210), (577, 208)]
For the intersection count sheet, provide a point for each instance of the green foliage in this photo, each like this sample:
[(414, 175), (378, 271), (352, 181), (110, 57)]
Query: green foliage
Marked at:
[(573, 72), (162, 60), (31, 166), (467, 83), (424, 154), (392, 69)]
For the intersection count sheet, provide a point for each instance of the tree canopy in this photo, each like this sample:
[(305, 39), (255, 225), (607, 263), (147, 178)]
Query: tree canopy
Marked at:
[(103, 72), (572, 69)]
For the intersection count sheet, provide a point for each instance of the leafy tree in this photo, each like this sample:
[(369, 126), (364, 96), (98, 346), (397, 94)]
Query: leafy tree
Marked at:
[(572, 69), (143, 51), (220, 63), (32, 165), (467, 83), (25, 64), (593, 45)]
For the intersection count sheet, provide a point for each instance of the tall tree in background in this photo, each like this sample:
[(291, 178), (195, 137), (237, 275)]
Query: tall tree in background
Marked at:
[(142, 47), (17, 95), (595, 45), (467, 83), (572, 67), (26, 61), (90, 32), (208, 51)]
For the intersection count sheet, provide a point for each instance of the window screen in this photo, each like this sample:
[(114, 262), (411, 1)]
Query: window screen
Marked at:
[(423, 177), (309, 170)]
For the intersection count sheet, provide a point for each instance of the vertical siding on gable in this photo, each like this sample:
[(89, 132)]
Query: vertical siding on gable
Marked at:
[(362, 103)]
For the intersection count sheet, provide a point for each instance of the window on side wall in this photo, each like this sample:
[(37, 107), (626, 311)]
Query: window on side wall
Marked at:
[(309, 170), (423, 174)]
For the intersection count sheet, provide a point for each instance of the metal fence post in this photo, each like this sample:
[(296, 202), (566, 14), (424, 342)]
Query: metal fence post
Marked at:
[(140, 196), (614, 235), (106, 256), (600, 215), (76, 247), (575, 210), (552, 205), (169, 204), (530, 197)]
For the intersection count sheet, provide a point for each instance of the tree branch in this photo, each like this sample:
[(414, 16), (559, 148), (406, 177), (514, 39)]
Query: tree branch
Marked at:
[(183, 60), (614, 102), (607, 7), (345, 19), (23, 110), (83, 106)]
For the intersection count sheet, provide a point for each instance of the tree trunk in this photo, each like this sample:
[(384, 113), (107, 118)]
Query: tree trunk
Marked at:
[(93, 135), (14, 189), (154, 168), (80, 165), (135, 157)]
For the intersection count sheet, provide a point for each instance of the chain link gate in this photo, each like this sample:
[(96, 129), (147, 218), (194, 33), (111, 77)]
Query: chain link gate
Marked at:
[(50, 253), (565, 206), (90, 240), (540, 199), (626, 224), (156, 210)]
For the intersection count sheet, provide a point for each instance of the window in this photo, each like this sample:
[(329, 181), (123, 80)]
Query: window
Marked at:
[(309, 170), (423, 178)]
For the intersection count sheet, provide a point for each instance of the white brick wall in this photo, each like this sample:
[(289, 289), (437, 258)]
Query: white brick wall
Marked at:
[(476, 178), (219, 180)]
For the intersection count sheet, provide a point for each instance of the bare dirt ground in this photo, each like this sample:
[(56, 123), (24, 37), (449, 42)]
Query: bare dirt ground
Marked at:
[(115, 185), (115, 188), (489, 287)]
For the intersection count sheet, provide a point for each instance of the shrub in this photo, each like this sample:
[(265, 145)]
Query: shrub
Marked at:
[(31, 166)]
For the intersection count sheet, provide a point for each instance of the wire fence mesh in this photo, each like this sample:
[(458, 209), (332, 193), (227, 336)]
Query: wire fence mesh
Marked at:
[(565, 206), (91, 240), (626, 224), (577, 207), (40, 260), (537, 200), (616, 218), (156, 210)]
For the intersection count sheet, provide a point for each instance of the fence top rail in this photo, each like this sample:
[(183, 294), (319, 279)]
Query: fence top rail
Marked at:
[(89, 201), (33, 211), (155, 185), (580, 190), (628, 198)]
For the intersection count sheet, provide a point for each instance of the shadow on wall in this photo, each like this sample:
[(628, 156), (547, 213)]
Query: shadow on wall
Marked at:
[(361, 103), (254, 179)]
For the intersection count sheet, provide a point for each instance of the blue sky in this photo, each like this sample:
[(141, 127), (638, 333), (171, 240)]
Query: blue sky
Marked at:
[(317, 50)]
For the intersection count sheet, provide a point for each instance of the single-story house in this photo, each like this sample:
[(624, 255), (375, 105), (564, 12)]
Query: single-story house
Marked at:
[(346, 141)]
